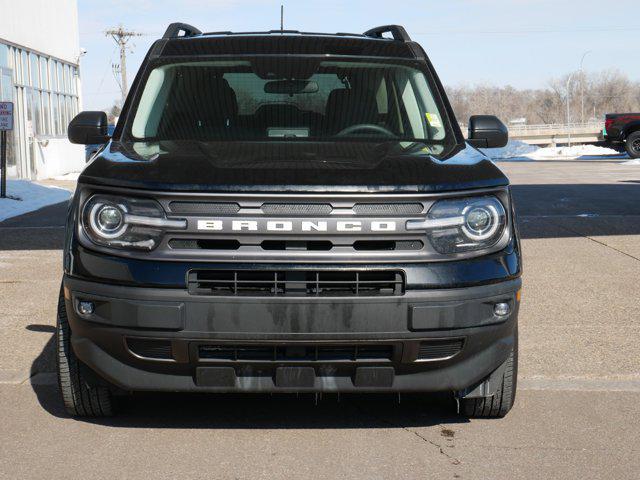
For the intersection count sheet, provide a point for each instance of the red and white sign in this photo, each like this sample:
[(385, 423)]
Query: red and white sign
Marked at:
[(6, 116)]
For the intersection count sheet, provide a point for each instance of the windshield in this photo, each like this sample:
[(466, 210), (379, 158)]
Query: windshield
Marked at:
[(288, 98)]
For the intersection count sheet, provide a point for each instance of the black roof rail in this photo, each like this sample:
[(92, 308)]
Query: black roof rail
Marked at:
[(397, 32), (173, 31), (271, 32)]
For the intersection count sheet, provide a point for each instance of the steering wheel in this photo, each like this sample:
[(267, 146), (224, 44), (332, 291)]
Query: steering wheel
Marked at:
[(363, 127)]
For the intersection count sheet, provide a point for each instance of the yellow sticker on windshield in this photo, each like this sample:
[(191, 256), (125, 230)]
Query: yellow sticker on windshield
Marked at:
[(434, 120)]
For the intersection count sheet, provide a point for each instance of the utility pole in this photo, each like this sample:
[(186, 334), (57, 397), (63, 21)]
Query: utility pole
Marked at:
[(122, 37), (281, 18)]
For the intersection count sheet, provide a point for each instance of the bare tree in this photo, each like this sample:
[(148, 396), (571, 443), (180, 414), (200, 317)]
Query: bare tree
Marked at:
[(608, 91)]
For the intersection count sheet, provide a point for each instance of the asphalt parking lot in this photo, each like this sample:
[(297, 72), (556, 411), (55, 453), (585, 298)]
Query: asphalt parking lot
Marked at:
[(577, 412)]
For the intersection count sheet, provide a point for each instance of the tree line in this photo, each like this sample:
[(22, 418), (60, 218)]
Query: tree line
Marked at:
[(591, 96)]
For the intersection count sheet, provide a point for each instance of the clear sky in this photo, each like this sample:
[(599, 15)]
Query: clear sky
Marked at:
[(500, 42)]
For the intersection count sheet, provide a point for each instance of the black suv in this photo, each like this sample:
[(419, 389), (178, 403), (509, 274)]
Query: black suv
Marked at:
[(289, 212)]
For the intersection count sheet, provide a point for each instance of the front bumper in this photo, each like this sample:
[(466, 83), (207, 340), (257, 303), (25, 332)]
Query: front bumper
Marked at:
[(311, 344)]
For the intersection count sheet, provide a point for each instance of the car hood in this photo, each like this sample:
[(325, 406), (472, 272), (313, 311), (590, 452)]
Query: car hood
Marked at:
[(291, 166)]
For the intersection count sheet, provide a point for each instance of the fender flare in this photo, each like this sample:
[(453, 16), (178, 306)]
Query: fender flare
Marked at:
[(629, 128)]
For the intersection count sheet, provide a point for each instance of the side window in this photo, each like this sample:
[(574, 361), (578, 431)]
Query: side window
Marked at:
[(153, 103), (382, 97), (412, 108), (427, 102)]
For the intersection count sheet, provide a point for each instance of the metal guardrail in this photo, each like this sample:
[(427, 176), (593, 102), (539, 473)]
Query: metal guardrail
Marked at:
[(561, 127), (551, 133)]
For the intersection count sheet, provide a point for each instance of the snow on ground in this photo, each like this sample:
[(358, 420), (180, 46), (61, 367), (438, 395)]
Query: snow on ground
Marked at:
[(73, 176), (515, 149), (632, 162), (28, 196), (575, 151)]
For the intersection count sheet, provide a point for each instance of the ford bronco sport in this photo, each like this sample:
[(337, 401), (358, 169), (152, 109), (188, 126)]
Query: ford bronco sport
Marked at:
[(289, 212)]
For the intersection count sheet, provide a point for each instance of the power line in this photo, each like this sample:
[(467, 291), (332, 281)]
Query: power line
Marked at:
[(527, 30), (122, 37)]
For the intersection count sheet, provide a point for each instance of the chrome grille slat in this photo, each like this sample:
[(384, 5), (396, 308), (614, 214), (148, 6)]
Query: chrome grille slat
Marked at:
[(439, 349)]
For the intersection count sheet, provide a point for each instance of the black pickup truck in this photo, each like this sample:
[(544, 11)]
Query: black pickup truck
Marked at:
[(289, 212), (623, 128)]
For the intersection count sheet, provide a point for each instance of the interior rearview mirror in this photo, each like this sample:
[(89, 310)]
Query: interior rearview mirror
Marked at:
[(291, 87), (88, 128), (487, 131)]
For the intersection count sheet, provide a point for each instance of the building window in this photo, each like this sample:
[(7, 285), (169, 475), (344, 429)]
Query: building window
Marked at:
[(6, 85), (50, 91), (55, 110), (37, 112), (74, 83), (4, 56), (34, 70), (46, 118), (44, 78), (60, 78), (53, 75), (24, 68)]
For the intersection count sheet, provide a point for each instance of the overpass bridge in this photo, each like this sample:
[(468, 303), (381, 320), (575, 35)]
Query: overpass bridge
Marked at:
[(552, 134)]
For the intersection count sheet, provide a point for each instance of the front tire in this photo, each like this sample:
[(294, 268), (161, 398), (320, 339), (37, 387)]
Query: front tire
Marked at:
[(632, 145), (81, 396), (499, 404)]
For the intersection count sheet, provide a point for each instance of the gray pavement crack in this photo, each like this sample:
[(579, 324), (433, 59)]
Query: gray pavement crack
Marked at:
[(453, 460), (575, 232)]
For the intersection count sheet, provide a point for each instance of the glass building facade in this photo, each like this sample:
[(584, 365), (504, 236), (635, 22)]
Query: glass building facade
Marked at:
[(44, 90)]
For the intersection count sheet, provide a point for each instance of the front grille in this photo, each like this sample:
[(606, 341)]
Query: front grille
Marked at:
[(296, 353), (439, 349), (312, 245), (204, 208), (156, 349), (295, 245), (388, 208), (203, 244), (318, 283), (296, 209), (314, 228)]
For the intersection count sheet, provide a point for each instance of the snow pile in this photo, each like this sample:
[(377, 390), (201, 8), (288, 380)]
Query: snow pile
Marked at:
[(28, 196), (73, 176), (514, 149), (575, 151), (519, 150)]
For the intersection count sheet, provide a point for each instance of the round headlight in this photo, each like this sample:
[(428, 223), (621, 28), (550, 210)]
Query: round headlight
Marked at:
[(107, 220), (467, 224), (480, 221)]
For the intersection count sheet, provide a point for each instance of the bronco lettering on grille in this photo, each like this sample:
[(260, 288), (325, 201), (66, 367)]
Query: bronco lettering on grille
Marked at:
[(298, 226)]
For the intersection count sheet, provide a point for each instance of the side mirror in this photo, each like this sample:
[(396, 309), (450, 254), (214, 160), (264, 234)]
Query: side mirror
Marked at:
[(88, 128), (487, 131)]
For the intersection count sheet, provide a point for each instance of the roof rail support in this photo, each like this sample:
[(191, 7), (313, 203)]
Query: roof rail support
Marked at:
[(397, 32), (173, 31)]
